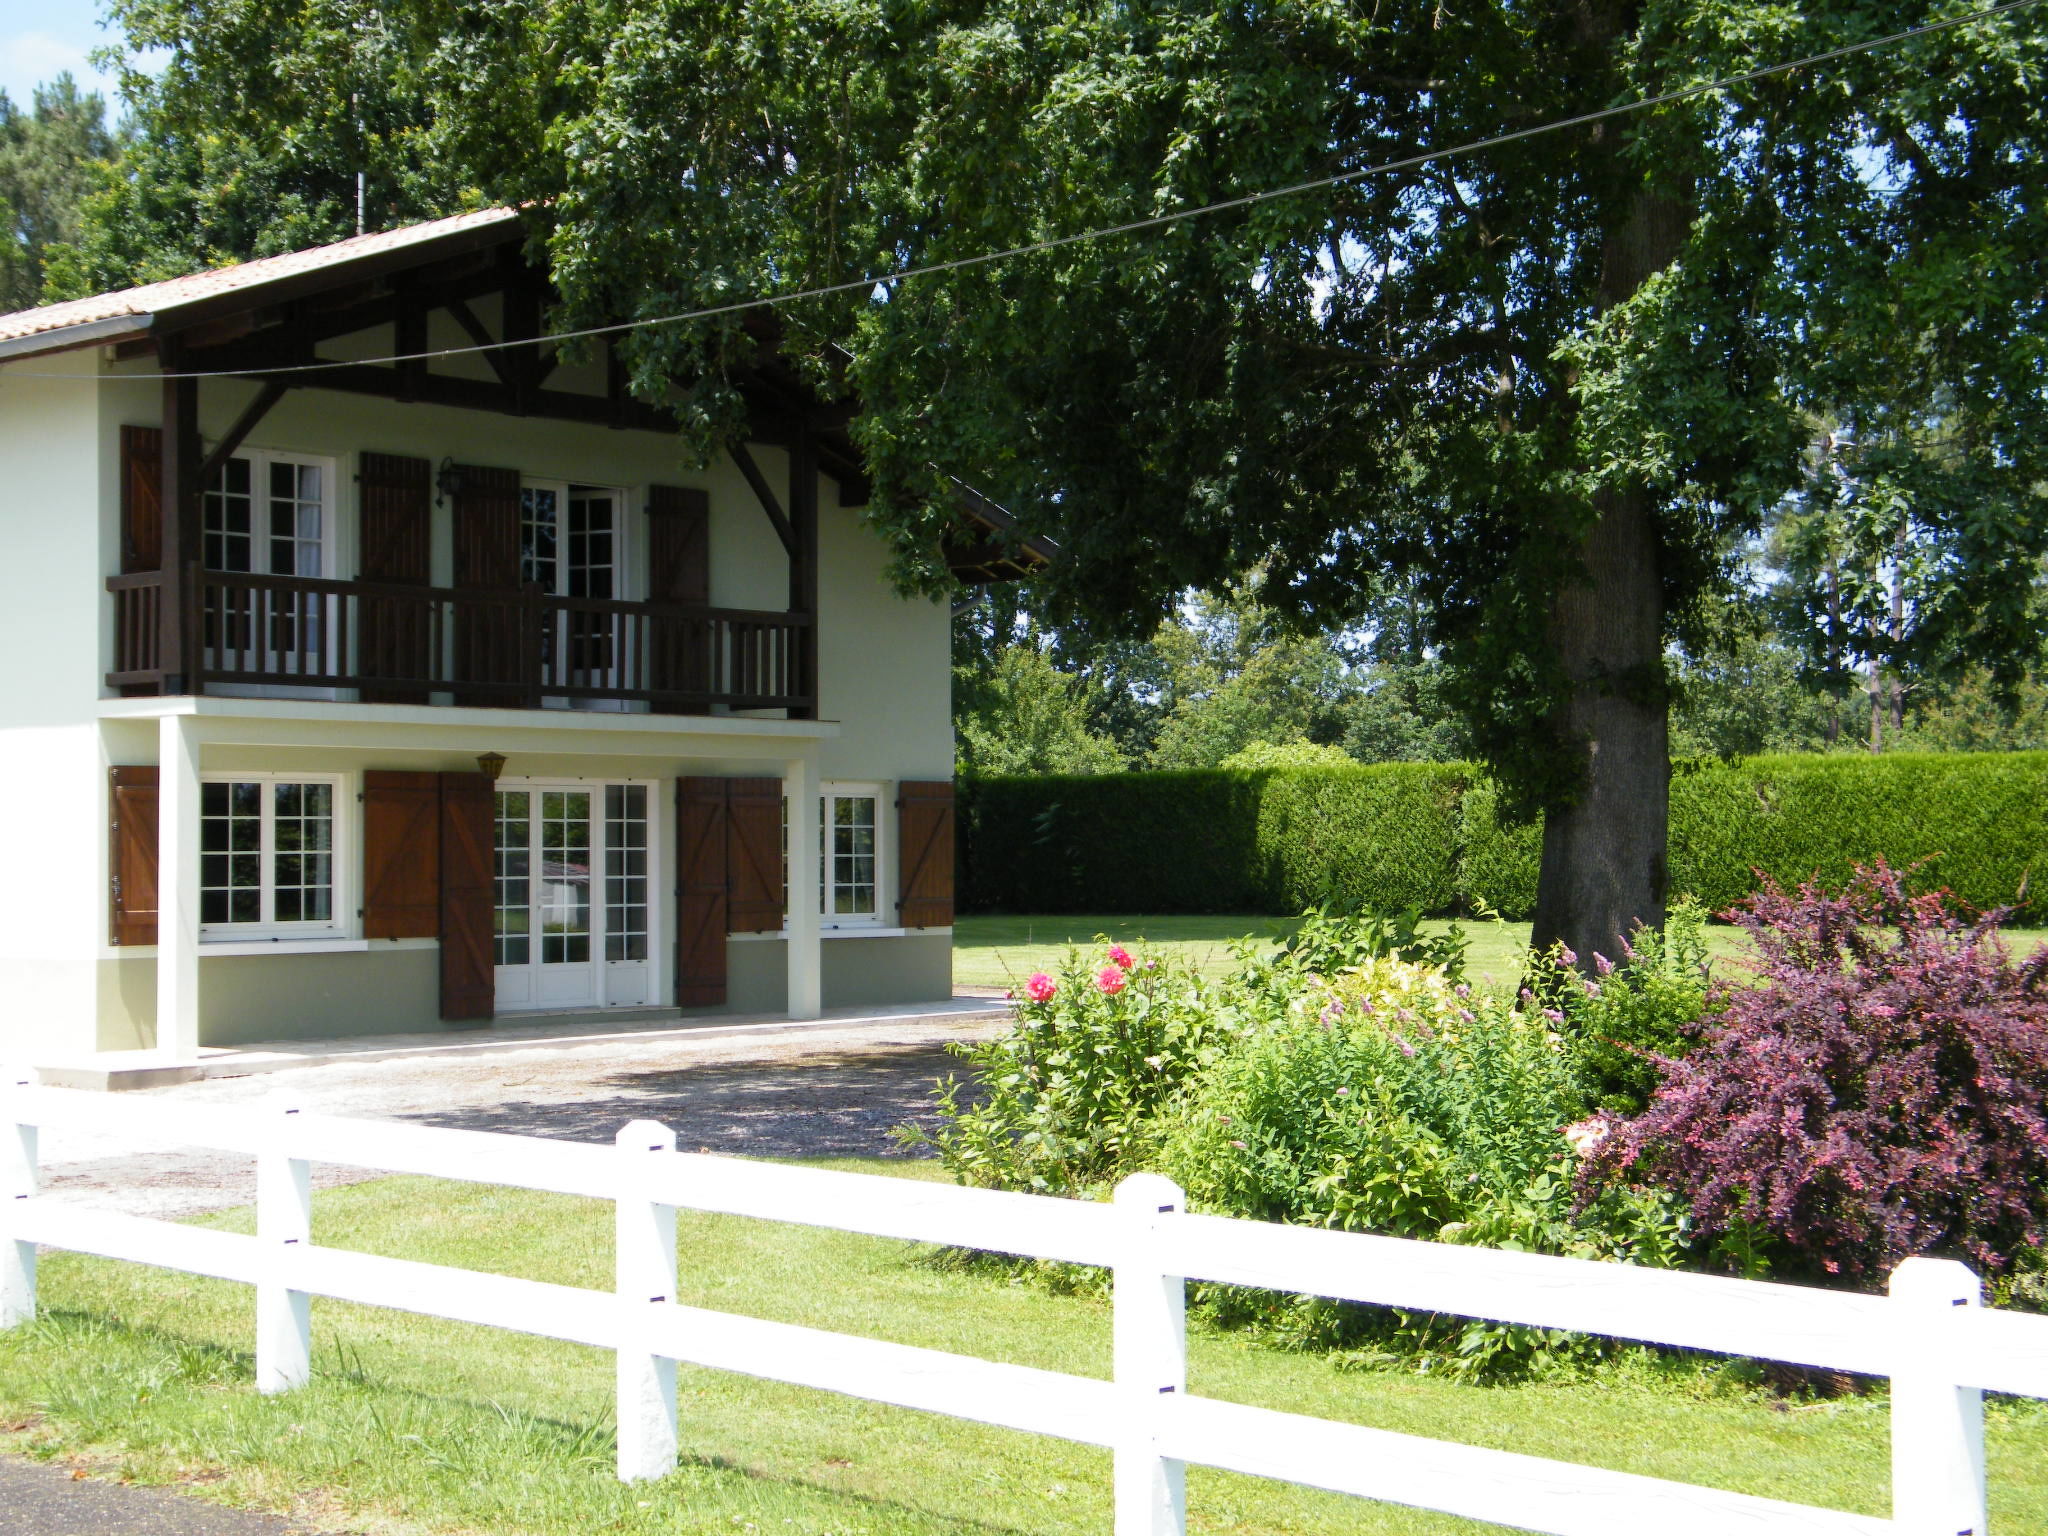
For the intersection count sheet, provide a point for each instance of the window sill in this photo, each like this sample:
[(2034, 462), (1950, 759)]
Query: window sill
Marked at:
[(209, 947), (852, 933)]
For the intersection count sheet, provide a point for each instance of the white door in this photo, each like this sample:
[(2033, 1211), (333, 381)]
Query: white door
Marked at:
[(569, 548), (572, 903)]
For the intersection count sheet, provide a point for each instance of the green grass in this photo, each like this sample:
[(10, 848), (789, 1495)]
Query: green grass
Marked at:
[(413, 1424), (1002, 951)]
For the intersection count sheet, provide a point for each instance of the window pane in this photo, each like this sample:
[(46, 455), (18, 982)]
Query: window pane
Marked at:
[(537, 534), (230, 869), (852, 872), (302, 869), (514, 883), (224, 519), (625, 884), (564, 877)]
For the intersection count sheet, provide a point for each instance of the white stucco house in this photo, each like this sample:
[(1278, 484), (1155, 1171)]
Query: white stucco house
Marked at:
[(350, 690)]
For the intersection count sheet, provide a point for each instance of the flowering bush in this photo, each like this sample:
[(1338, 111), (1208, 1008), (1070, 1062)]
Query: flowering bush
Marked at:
[(1623, 1017), (1067, 1097), (1879, 1093)]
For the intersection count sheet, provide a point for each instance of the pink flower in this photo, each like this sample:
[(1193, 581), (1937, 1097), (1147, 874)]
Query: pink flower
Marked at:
[(1553, 1015), (1401, 1044), (1040, 987), (1239, 1145), (1464, 1015), (1120, 957), (1602, 964), (1111, 980), (1592, 989), (1462, 990), (1567, 955)]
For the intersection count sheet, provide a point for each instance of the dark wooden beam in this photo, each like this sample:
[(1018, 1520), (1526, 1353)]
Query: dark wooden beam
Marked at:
[(803, 568), (483, 395), (272, 392), (473, 328), (178, 627), (409, 338), (784, 529)]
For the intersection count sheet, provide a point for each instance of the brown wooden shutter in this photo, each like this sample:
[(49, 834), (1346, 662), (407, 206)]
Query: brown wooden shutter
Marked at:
[(678, 545), (487, 528), (401, 855), (468, 949), (924, 862), (753, 855), (132, 805), (395, 633), (142, 499), (490, 639), (701, 923)]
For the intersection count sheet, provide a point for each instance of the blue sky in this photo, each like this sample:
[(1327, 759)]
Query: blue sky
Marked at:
[(39, 39)]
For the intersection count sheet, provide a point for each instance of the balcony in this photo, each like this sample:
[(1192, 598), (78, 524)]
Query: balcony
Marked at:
[(388, 643)]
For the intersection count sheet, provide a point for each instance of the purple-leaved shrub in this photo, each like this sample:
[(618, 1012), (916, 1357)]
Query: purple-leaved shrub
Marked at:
[(1881, 1092)]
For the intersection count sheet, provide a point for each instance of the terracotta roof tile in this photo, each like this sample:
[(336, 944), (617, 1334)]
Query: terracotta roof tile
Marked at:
[(156, 298)]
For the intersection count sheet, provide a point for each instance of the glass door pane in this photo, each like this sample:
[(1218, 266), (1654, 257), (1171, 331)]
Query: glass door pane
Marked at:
[(564, 905), (514, 916)]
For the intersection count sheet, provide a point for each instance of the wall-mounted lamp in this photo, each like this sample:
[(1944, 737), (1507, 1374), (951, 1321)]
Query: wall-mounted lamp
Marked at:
[(447, 481), (492, 764)]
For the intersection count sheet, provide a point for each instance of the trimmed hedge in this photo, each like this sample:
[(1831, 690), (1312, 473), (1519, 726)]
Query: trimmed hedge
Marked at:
[(1426, 834)]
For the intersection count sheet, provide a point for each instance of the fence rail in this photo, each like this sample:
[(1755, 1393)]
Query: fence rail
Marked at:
[(1930, 1335)]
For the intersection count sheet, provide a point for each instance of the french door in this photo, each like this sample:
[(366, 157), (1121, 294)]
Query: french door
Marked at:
[(573, 916), (569, 547)]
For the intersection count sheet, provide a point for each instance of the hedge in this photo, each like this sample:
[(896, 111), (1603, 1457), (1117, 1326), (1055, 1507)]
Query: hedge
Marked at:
[(1427, 834)]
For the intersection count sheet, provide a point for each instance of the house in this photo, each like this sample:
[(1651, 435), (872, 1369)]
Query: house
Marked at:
[(374, 666)]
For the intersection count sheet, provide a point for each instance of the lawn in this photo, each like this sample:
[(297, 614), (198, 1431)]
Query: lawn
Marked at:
[(419, 1425), (1000, 951)]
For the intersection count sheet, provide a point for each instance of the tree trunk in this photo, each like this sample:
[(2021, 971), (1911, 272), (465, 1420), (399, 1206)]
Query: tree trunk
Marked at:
[(1604, 856)]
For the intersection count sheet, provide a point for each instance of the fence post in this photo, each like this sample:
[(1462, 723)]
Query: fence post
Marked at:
[(646, 1259), (1150, 1348), (18, 1179), (1937, 1426), (284, 1229)]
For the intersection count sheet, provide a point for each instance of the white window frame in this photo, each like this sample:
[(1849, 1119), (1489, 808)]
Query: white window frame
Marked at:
[(259, 461), (882, 916), (343, 859), (623, 562)]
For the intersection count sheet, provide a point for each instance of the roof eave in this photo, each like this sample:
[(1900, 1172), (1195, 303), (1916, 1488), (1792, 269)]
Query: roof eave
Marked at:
[(69, 338)]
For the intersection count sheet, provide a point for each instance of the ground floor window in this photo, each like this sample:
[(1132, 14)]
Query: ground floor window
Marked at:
[(850, 854), (267, 853)]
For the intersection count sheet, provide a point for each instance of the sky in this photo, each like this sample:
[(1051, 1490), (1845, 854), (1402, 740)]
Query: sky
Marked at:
[(39, 39)]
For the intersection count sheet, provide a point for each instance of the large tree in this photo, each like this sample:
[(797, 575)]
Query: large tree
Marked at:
[(1550, 384)]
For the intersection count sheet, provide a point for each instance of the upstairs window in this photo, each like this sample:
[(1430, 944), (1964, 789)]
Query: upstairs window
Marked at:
[(270, 514)]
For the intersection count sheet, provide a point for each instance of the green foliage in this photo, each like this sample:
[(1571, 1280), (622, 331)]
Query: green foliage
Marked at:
[(1381, 837), (1025, 716), (1431, 836), (1653, 1001), (1068, 1096), (51, 154), (1328, 944), (1287, 754)]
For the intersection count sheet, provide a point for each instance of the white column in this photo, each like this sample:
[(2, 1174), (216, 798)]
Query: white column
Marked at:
[(1149, 1351), (806, 970), (177, 888), (1937, 1426), (646, 1278), (18, 1179), (284, 1227)]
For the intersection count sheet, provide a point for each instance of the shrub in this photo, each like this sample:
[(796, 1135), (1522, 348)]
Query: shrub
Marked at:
[(1879, 1093), (1623, 1018), (1069, 1093), (1428, 834)]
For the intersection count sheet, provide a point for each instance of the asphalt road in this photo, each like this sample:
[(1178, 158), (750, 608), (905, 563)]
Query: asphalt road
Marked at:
[(44, 1499)]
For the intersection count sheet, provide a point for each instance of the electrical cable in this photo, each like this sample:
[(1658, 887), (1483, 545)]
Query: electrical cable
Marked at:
[(1133, 226)]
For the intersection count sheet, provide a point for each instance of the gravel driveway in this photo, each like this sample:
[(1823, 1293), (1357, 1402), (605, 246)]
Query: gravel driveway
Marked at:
[(815, 1091)]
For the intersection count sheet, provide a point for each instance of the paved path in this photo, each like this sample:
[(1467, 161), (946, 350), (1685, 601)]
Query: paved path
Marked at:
[(819, 1091), (44, 1499)]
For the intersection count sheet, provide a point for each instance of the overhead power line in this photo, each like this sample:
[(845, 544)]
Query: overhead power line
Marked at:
[(1132, 226)]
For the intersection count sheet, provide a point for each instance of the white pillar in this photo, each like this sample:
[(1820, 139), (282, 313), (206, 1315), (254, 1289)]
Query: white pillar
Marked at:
[(284, 1227), (1937, 1426), (645, 1256), (806, 971), (18, 1179), (177, 888), (1149, 1351)]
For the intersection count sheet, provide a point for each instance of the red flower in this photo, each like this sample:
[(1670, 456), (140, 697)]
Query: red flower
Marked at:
[(1120, 957), (1111, 981), (1040, 987)]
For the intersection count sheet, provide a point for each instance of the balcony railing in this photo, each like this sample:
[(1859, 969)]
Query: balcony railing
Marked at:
[(407, 644)]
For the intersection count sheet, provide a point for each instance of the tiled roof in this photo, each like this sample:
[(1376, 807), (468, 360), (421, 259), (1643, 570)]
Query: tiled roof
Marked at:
[(158, 298)]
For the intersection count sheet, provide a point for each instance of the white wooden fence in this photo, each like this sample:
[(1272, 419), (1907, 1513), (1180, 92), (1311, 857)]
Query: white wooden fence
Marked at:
[(1930, 1335)]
